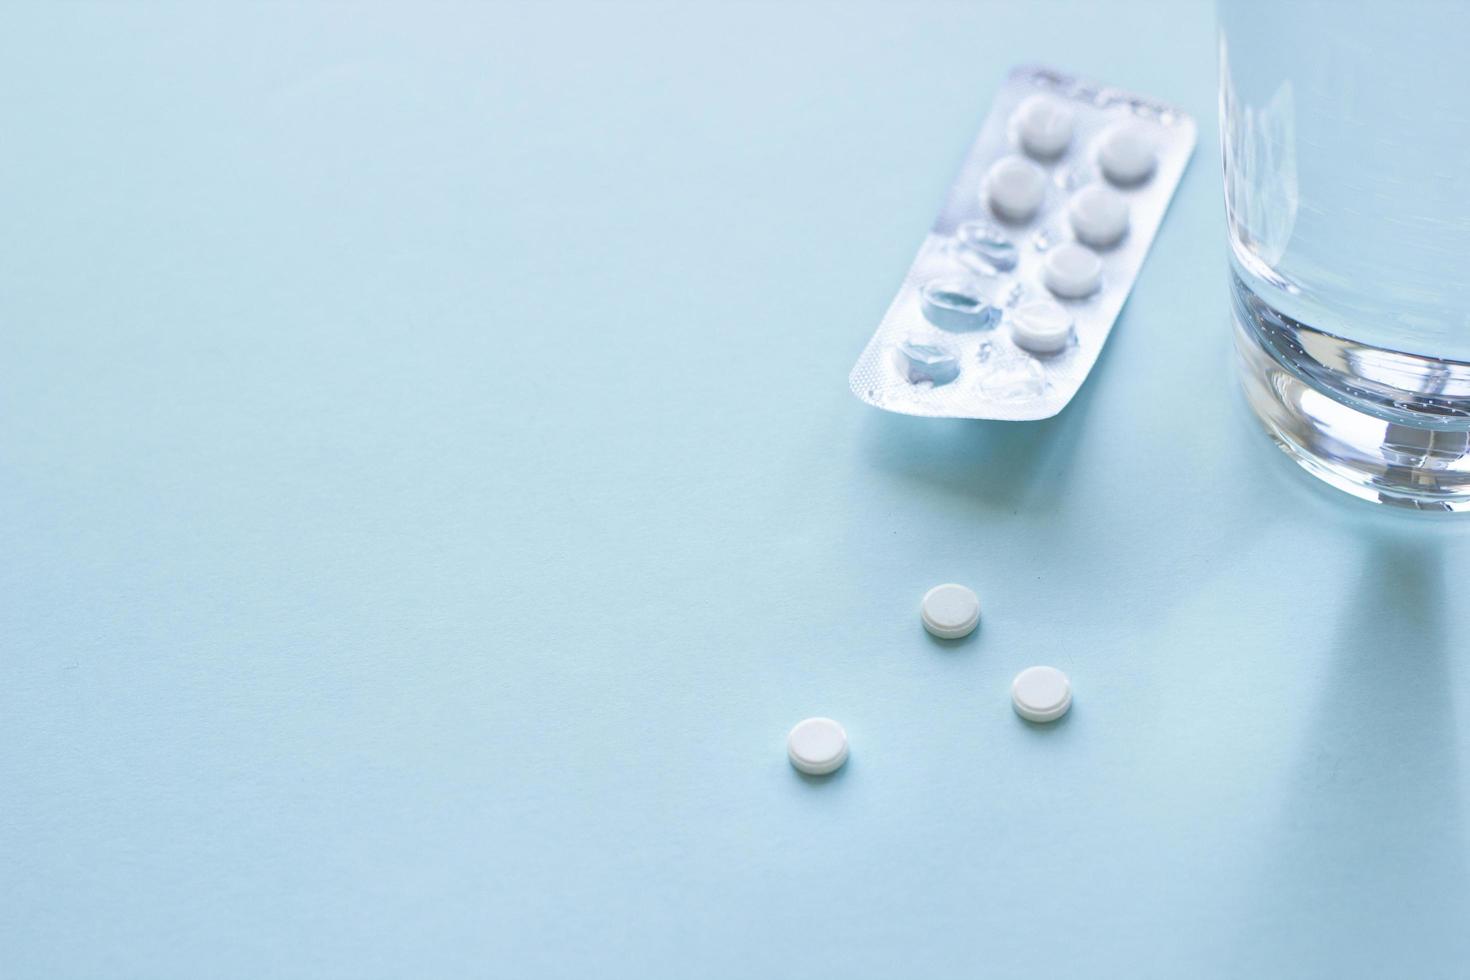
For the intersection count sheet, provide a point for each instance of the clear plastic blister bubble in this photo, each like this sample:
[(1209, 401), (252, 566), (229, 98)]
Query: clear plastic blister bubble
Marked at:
[(1015, 290)]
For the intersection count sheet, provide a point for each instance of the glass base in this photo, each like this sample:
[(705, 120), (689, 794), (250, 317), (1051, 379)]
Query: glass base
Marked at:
[(1381, 425)]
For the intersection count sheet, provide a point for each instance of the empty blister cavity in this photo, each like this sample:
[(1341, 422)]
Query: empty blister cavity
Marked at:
[(1015, 187), (1098, 215), (1041, 326), (958, 306), (1072, 271), (1125, 152), (979, 244), (927, 363), (1043, 125), (1009, 374)]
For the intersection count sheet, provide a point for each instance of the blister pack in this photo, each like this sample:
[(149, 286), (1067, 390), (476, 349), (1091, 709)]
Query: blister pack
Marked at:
[(1007, 306)]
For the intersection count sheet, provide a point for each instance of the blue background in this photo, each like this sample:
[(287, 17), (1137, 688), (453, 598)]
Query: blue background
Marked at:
[(429, 491)]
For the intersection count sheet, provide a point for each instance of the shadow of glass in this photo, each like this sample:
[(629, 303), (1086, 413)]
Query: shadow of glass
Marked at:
[(1368, 850)]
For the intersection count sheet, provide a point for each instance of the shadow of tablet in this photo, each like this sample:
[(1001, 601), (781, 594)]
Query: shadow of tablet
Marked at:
[(1004, 465)]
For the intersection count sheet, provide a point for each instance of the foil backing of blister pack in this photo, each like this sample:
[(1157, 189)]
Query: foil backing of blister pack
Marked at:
[(948, 345)]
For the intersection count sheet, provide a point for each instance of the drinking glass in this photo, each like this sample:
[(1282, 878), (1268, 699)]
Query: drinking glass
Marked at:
[(1345, 131)]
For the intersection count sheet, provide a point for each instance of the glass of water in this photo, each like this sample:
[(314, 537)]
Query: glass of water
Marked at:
[(1345, 130)]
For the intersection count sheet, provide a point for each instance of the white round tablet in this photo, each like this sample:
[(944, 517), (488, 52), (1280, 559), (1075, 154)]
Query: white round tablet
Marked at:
[(950, 611), (1125, 151), (979, 243), (1041, 694), (1041, 326), (1014, 186), (817, 746), (1072, 271), (1044, 125), (1098, 215)]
